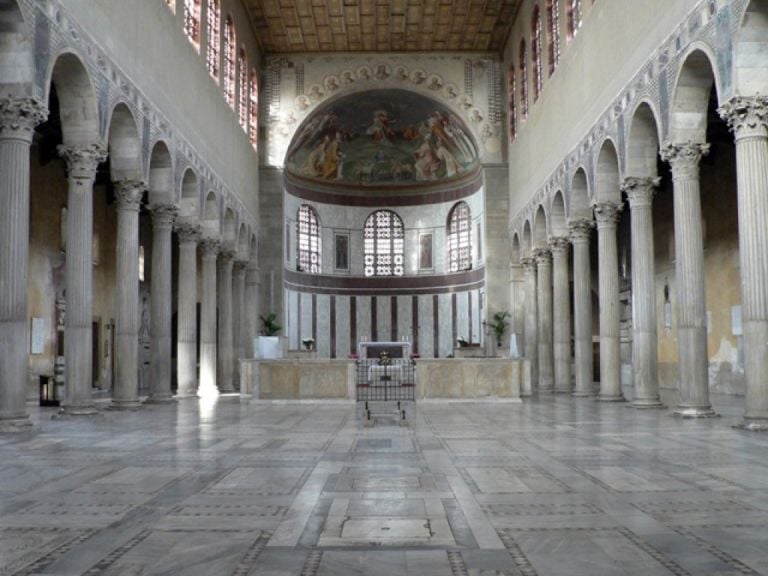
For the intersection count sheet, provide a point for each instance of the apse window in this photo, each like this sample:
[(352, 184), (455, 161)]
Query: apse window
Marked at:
[(308, 257), (459, 238), (384, 239)]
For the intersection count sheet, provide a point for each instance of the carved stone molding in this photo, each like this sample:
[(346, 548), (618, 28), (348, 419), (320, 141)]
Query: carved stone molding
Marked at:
[(746, 117), (684, 158), (607, 214), (640, 191), (581, 230), (128, 194), (19, 116)]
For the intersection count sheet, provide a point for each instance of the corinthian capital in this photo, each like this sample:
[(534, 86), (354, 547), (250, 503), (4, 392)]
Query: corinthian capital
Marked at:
[(640, 191), (559, 245), (128, 194), (19, 116), (580, 230), (210, 247), (607, 214), (746, 117), (543, 256), (188, 232), (684, 158), (82, 161), (529, 264), (163, 215)]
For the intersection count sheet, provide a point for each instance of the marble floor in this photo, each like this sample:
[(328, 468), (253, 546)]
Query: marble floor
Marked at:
[(554, 486)]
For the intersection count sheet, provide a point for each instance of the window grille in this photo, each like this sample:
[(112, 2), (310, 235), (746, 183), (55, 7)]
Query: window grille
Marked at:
[(459, 238), (384, 239), (308, 245)]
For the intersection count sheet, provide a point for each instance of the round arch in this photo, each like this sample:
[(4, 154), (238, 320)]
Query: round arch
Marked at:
[(124, 145), (750, 62), (691, 95), (643, 142), (607, 185), (78, 106), (580, 205), (161, 175)]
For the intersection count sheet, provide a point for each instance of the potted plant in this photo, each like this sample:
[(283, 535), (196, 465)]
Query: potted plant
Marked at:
[(269, 326), (309, 343), (270, 345), (499, 326)]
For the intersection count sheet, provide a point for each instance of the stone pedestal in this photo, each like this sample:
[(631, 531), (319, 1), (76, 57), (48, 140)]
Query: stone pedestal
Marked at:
[(581, 233), (607, 216), (689, 272), (125, 394), (748, 118), (18, 119), (225, 350), (189, 236), (546, 329), (82, 163), (530, 339), (645, 364), (562, 312), (210, 249), (163, 216)]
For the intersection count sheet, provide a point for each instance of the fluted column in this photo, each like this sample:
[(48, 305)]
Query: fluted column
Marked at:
[(186, 344), (689, 272), (748, 118), (645, 363), (161, 311), (225, 353), (607, 216), (545, 329), (238, 308), (562, 311), (252, 297), (581, 233), (125, 392), (18, 118), (531, 350), (82, 163), (517, 301), (210, 249)]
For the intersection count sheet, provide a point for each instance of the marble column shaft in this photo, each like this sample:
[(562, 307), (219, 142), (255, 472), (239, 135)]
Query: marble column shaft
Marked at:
[(18, 118), (125, 392), (252, 303), (607, 216), (208, 362), (748, 118), (581, 233), (530, 339), (546, 321), (161, 310), (225, 353), (189, 236), (82, 162), (562, 312), (517, 301), (645, 342), (693, 358), (238, 309)]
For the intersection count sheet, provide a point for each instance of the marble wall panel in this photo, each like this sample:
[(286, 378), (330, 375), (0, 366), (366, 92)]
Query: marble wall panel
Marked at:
[(426, 338), (445, 329), (323, 331), (363, 317), (343, 346)]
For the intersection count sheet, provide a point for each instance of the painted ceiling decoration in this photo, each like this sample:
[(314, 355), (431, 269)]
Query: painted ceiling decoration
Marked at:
[(382, 137), (293, 26)]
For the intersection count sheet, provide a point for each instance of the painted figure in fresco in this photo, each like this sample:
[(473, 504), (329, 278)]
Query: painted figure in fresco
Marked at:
[(333, 159), (454, 129), (313, 164), (427, 162), (449, 160), (379, 129)]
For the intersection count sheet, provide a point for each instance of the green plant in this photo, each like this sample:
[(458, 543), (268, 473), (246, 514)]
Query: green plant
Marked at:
[(499, 325), (269, 327)]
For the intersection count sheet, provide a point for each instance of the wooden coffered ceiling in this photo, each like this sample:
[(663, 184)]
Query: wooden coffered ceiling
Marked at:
[(290, 26)]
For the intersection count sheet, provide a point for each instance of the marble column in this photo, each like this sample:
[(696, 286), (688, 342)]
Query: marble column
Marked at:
[(225, 350), (517, 302), (748, 118), (210, 249), (161, 310), (607, 216), (645, 363), (562, 311), (693, 357), (581, 233), (238, 309), (252, 303), (82, 163), (125, 392), (186, 344), (18, 118), (545, 329), (531, 350)]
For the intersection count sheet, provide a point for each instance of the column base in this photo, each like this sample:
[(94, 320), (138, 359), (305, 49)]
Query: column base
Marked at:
[(753, 425), (611, 398), (695, 412), (16, 425), (647, 403), (186, 394), (160, 399), (227, 390), (78, 411), (563, 391), (120, 405)]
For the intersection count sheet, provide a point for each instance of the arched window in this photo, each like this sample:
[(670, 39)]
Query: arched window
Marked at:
[(308, 241), (574, 17), (384, 241), (192, 21), (536, 41), (214, 38), (553, 41), (523, 81), (512, 89), (459, 238), (243, 100), (230, 56), (253, 113)]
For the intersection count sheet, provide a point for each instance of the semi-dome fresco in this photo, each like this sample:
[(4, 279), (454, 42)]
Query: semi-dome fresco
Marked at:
[(382, 137)]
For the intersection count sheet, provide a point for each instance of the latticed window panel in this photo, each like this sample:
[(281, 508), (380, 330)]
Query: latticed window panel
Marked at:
[(553, 42), (575, 14), (459, 238), (383, 244), (308, 241), (253, 99), (243, 99), (523, 80), (214, 38), (192, 21), (230, 57), (536, 53)]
